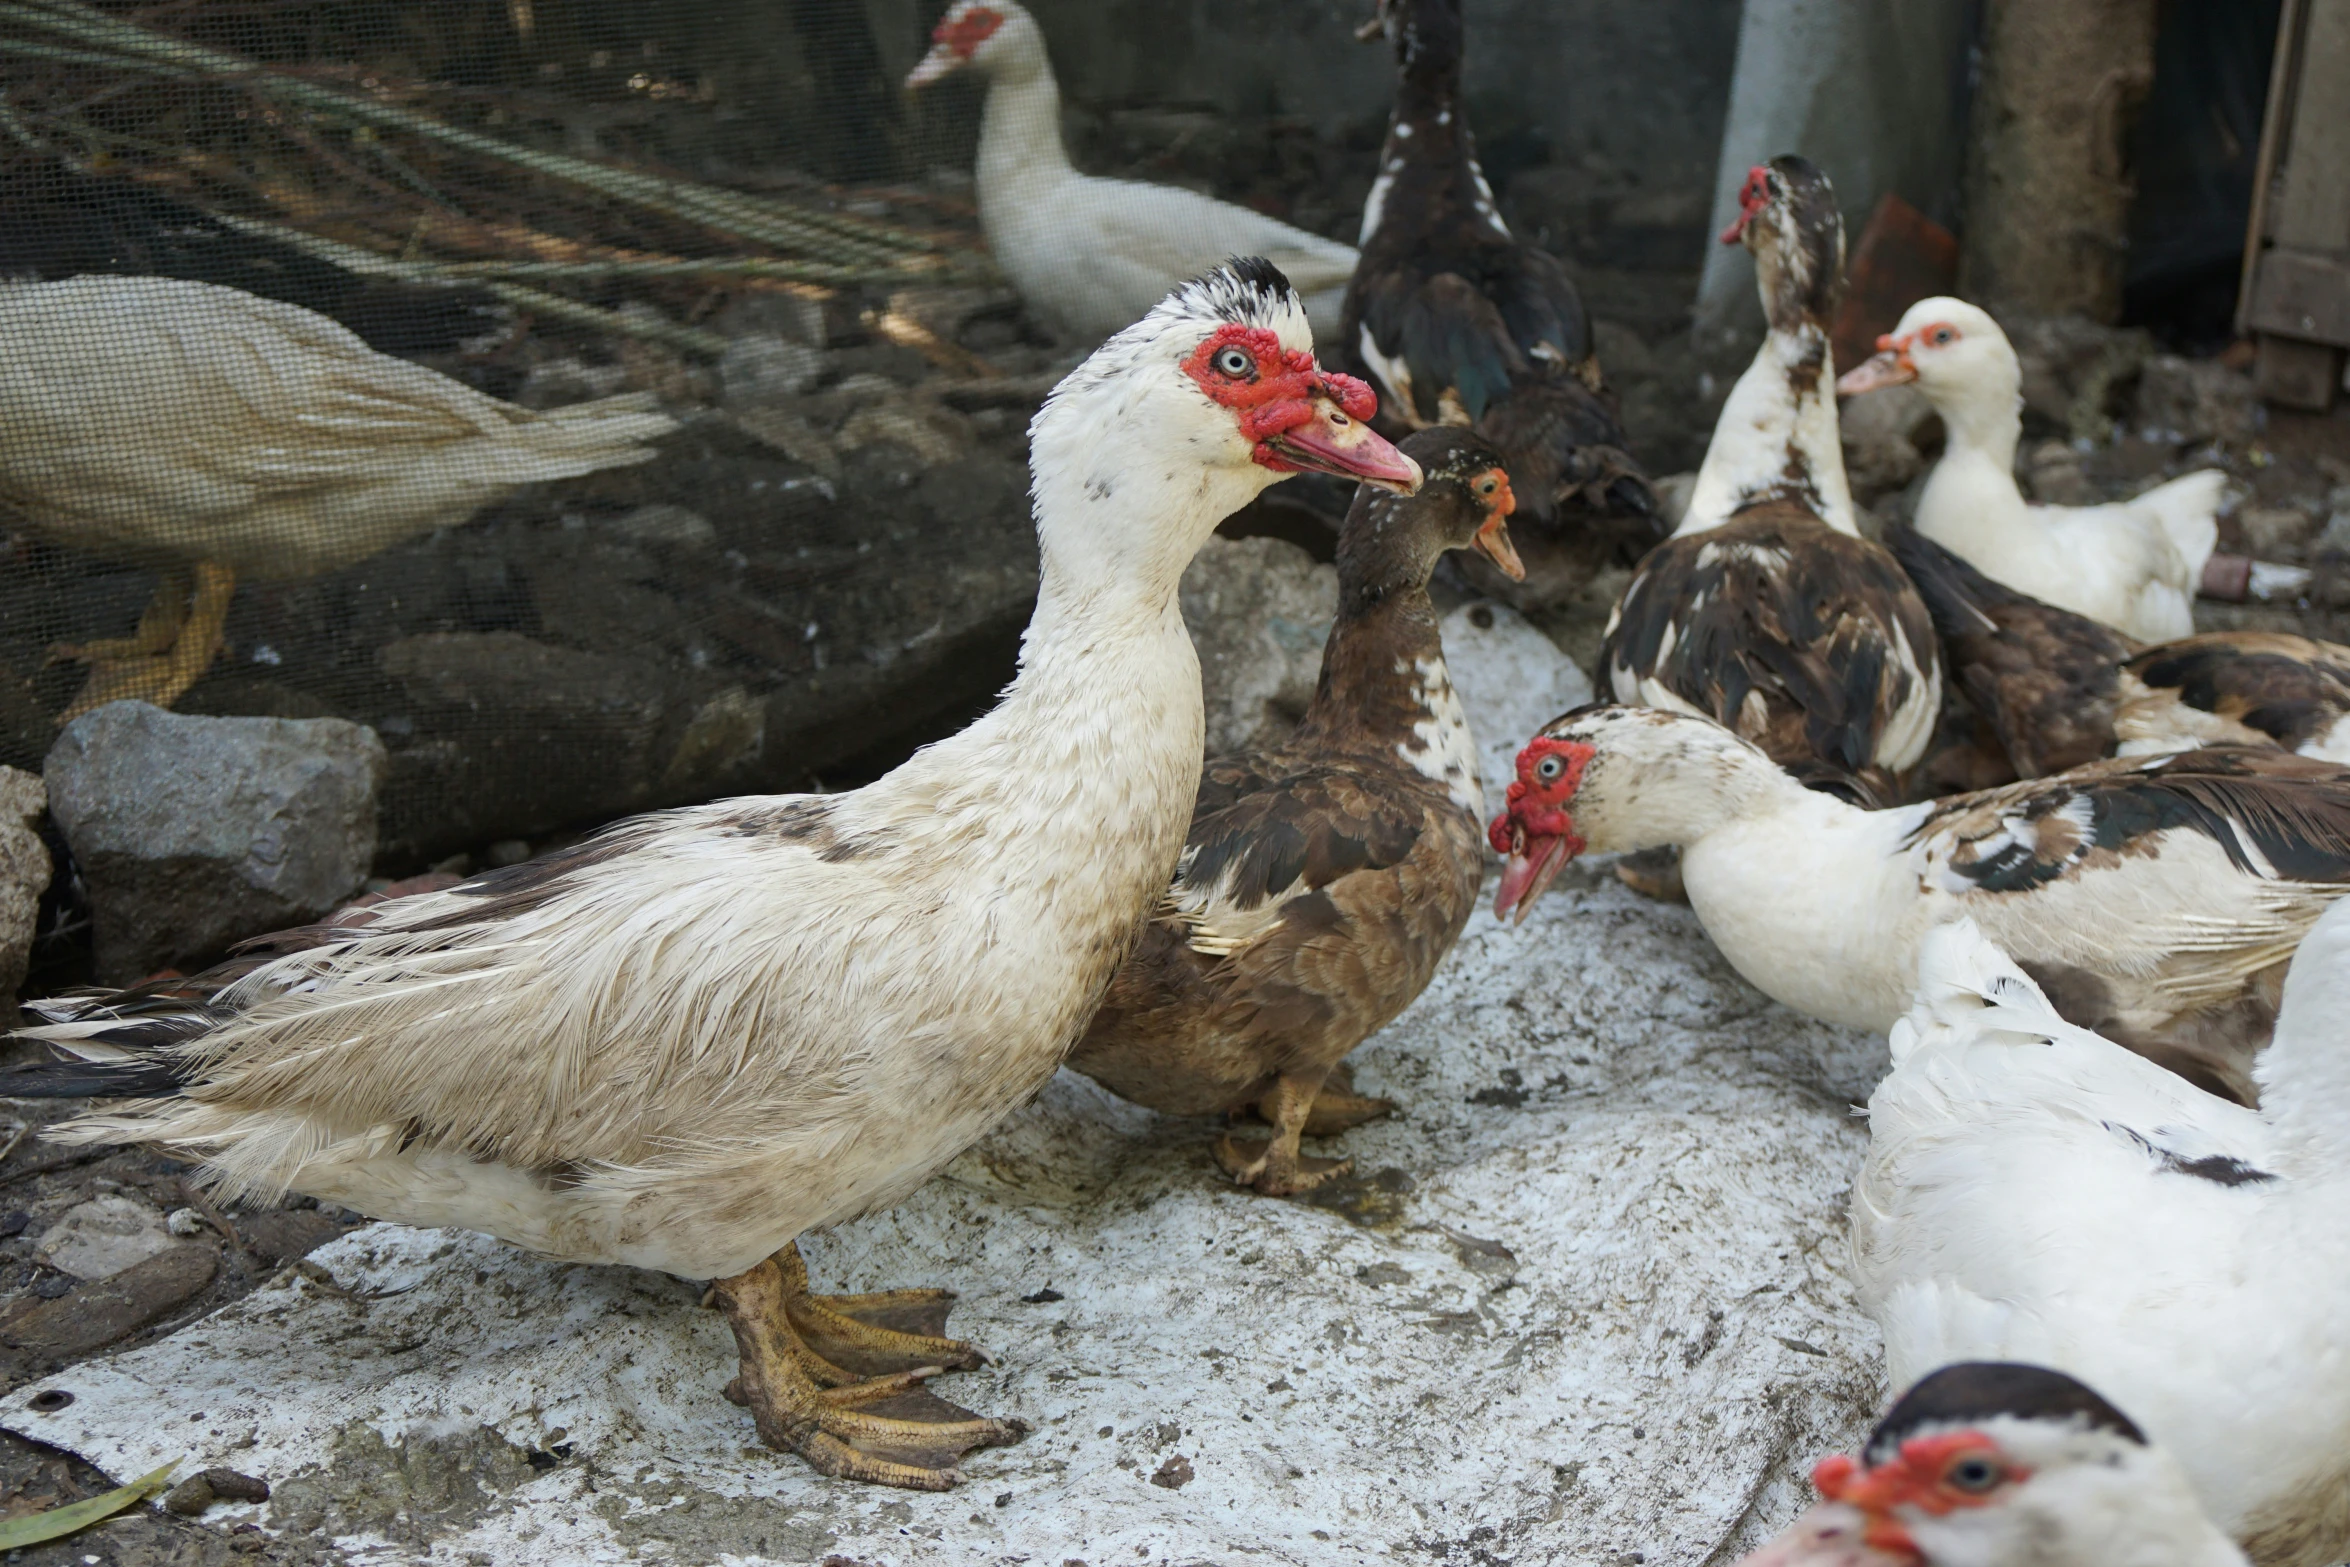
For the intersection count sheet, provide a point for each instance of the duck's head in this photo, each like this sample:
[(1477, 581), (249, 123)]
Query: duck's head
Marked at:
[(1988, 1462), (1954, 352), (1392, 542), (1608, 778), (1788, 219), (996, 37), (1193, 411), (1426, 34)]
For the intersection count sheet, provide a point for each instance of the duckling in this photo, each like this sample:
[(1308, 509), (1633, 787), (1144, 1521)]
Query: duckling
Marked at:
[(1325, 878)]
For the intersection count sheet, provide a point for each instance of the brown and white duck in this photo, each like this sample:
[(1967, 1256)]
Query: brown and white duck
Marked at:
[(1456, 320), (1767, 611), (2060, 689), (2156, 899), (1325, 878)]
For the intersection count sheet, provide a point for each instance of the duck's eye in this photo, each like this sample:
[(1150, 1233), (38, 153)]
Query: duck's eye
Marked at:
[(1485, 485), (1975, 1475), (1549, 768), (1235, 363), (1940, 336)]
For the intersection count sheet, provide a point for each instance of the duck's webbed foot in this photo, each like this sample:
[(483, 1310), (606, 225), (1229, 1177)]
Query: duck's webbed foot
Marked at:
[(1654, 873), (811, 1403), (1337, 1107), (1275, 1166)]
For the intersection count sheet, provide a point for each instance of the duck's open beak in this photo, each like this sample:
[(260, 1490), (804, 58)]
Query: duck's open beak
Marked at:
[(940, 62), (1534, 863), (1831, 1534), (1891, 366), (1493, 542), (1334, 442)]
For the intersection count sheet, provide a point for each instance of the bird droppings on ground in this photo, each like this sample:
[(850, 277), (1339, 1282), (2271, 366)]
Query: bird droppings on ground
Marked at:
[(1600, 1313)]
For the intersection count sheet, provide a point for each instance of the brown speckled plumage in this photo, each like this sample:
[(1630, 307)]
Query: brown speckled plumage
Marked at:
[(1323, 879)]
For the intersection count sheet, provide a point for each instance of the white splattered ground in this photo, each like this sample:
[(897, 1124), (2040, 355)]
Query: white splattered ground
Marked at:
[(1587, 1307)]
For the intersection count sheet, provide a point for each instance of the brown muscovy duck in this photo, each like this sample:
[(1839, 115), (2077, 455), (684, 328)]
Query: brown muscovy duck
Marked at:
[(2060, 689), (1457, 321), (1324, 878), (1767, 611)]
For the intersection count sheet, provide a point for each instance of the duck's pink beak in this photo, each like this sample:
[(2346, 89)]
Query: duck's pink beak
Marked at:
[(1337, 442), (1831, 1534), (941, 62), (1533, 864), (1891, 367)]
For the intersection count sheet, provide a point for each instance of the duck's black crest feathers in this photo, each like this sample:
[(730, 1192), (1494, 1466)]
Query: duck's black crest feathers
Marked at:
[(1975, 1390)]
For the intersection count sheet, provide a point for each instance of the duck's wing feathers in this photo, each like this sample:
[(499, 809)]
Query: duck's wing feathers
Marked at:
[(1178, 232), (1805, 640), (2046, 678), (509, 1017), (2237, 687), (2159, 899)]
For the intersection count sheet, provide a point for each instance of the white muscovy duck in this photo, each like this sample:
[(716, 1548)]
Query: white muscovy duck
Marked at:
[(2033, 1191), (1766, 610), (1996, 1464), (1088, 254), (2136, 565), (2157, 898), (697, 1034), (212, 434)]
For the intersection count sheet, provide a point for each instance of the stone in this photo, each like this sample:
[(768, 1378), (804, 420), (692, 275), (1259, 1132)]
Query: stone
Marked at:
[(1259, 611), (1586, 1295), (93, 1315), (1512, 680), (2073, 371), (283, 1234), (99, 1238), (186, 1223), (765, 368), (2053, 475), (192, 1496), (2193, 401), (2275, 532), (668, 525), (1886, 436), (24, 876), (194, 833)]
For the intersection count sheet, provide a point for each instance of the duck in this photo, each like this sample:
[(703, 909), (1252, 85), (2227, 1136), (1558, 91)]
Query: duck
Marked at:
[(2157, 898), (2135, 565), (2034, 1191), (1086, 254), (1324, 879), (1767, 611), (2061, 689), (697, 1034), (211, 435), (1453, 319), (2002, 1464)]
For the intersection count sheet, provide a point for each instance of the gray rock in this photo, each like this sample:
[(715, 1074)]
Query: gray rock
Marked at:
[(2073, 370), (2197, 400), (764, 368), (24, 876), (194, 832), (99, 1238), (1886, 436), (1512, 680), (664, 523), (1259, 611)]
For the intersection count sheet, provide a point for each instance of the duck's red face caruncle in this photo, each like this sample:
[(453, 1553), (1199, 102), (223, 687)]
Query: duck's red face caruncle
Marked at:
[(1536, 829), (1753, 196), (1930, 1477), (1297, 417), (955, 40)]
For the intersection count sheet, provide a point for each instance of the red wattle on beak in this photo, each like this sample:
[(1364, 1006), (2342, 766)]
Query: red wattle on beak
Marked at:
[(1337, 441)]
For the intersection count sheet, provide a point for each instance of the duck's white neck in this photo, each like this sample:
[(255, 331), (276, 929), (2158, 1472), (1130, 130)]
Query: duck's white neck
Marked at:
[(2304, 1074), (1680, 782), (1020, 129), (1777, 436), (1983, 417)]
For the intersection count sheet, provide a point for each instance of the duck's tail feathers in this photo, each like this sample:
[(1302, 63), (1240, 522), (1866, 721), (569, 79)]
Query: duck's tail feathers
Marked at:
[(2188, 508), (610, 432), (1962, 977), (121, 1044)]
